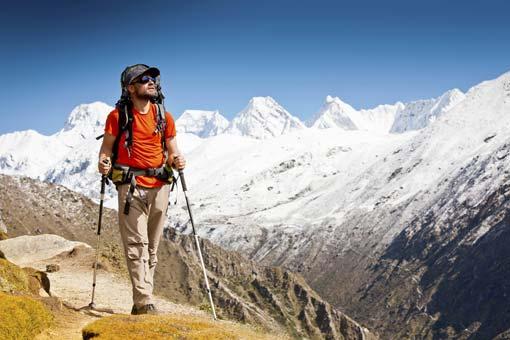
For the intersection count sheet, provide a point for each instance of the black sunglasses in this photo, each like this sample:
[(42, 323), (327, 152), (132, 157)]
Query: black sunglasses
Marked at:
[(145, 80)]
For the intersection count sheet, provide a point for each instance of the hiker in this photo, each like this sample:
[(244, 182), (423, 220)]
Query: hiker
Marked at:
[(138, 153)]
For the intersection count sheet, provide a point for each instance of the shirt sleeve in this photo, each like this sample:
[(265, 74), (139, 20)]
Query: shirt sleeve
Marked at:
[(112, 123), (170, 126)]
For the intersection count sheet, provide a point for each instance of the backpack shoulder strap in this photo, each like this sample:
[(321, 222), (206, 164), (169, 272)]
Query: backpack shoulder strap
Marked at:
[(161, 123), (125, 126)]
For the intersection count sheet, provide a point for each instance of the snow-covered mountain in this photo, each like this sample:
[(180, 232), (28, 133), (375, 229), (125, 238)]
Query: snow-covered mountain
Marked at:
[(396, 118), (201, 123), (334, 114), (262, 118), (87, 119), (379, 118), (32, 154), (337, 114), (338, 205), (418, 114), (68, 157)]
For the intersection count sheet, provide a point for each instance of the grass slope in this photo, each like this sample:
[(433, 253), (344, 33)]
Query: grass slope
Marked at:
[(169, 327)]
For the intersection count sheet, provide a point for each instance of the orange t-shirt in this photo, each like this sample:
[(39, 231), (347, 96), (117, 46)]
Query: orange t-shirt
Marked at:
[(146, 150)]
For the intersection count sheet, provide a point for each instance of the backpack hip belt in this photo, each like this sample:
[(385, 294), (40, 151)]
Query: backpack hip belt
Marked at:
[(122, 174)]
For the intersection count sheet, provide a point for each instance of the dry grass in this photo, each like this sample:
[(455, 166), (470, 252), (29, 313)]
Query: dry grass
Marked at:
[(169, 327), (22, 317), (12, 277)]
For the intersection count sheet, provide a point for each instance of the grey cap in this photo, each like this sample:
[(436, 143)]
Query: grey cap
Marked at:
[(134, 71)]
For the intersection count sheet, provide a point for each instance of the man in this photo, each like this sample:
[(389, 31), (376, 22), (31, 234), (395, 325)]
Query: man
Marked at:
[(144, 193)]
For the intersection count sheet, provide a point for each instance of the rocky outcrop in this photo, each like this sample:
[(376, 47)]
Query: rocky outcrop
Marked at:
[(446, 273), (248, 292), (26, 249)]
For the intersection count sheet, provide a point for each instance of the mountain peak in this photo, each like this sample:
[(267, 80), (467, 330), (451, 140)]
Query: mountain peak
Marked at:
[(334, 114), (336, 100), (201, 123), (420, 113), (262, 99), (262, 118), (263, 102), (93, 114)]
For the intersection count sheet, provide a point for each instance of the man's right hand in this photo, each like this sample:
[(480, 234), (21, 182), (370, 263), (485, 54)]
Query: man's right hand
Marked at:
[(104, 165)]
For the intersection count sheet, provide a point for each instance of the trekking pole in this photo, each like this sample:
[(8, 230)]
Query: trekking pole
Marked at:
[(185, 189), (98, 250)]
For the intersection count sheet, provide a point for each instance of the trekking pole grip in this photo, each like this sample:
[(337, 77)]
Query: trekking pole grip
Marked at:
[(183, 182), (103, 184)]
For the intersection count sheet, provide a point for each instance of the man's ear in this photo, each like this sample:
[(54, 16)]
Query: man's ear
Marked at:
[(131, 88)]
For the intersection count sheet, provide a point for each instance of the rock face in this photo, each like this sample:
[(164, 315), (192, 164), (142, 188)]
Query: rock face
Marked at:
[(447, 271), (242, 289), (249, 292)]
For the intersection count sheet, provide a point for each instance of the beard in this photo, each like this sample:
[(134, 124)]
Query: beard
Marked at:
[(146, 94)]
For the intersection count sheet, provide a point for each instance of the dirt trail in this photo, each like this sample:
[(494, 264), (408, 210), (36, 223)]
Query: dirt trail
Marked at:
[(72, 284)]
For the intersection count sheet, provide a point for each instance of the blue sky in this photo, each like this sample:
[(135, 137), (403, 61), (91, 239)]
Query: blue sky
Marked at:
[(218, 54)]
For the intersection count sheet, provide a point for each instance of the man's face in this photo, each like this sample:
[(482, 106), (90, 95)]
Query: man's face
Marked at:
[(144, 87)]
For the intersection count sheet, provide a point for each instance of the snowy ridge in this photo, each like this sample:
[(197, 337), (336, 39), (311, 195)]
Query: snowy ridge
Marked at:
[(263, 118), (201, 123), (32, 154), (338, 175), (335, 114), (88, 115), (69, 157), (29, 153), (380, 118), (418, 114), (396, 118)]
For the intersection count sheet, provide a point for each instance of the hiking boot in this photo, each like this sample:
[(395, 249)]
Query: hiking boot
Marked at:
[(147, 309)]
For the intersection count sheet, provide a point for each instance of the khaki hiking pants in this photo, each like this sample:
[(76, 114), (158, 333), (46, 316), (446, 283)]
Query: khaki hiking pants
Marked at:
[(141, 232)]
